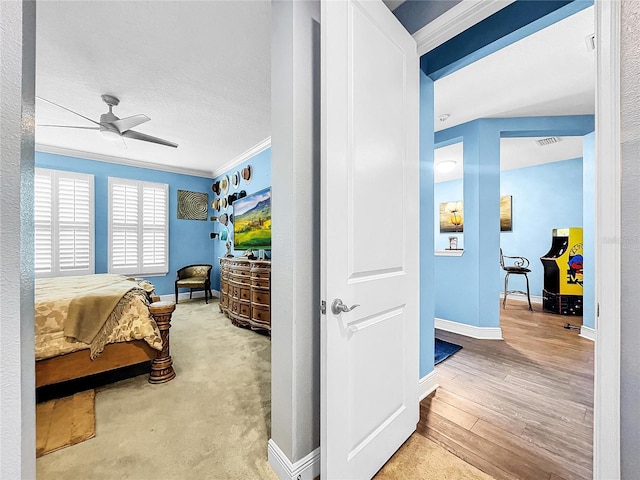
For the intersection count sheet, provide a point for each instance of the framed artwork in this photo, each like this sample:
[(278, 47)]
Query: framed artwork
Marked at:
[(506, 224), (193, 205), (451, 217)]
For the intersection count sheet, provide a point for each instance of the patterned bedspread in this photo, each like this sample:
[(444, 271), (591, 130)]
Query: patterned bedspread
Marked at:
[(53, 296)]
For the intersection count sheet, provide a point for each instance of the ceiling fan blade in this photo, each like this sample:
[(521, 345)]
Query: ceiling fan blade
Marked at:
[(148, 138), (121, 143), (65, 108), (69, 126), (126, 123)]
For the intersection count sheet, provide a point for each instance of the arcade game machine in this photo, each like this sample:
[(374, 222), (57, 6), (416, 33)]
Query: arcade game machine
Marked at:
[(562, 291)]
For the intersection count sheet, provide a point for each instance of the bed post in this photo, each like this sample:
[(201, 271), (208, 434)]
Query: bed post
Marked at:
[(162, 366)]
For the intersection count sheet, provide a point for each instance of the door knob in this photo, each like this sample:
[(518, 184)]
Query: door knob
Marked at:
[(337, 307)]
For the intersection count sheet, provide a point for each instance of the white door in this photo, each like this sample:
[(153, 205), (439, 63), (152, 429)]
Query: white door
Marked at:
[(370, 237)]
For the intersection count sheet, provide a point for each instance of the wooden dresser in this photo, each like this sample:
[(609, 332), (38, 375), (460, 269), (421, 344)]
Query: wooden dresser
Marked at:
[(245, 292)]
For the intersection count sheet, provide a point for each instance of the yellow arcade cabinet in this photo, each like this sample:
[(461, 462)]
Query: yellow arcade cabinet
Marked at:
[(562, 291)]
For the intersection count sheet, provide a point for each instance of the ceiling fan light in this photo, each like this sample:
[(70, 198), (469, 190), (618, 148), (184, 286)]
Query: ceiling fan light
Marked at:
[(445, 166)]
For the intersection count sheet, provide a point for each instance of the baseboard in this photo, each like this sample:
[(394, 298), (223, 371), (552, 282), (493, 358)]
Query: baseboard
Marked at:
[(482, 333), (537, 299), (171, 297), (588, 333), (306, 468), (427, 385)]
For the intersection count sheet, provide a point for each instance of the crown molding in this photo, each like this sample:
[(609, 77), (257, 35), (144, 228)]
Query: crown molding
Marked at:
[(69, 152), (455, 21), (256, 149)]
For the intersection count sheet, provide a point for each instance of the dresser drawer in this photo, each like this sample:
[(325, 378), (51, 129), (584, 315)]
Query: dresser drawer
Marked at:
[(244, 310), (260, 282), (235, 277), (262, 297), (240, 292), (245, 293), (235, 306), (261, 314), (260, 273)]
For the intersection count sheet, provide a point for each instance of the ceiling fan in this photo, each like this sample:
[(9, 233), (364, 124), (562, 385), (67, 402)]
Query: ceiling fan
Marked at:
[(112, 127)]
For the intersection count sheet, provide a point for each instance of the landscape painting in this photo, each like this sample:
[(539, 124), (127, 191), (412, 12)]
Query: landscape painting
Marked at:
[(252, 221)]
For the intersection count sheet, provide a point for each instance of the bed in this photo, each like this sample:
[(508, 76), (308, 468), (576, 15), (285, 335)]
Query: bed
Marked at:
[(97, 323)]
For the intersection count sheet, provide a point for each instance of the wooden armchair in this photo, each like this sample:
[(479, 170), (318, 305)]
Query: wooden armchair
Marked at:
[(195, 276)]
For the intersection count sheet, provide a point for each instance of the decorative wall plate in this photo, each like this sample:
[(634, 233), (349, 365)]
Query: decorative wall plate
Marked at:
[(235, 180), (224, 185), (247, 173)]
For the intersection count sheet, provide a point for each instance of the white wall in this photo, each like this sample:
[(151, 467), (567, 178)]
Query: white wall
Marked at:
[(630, 242), (295, 279), (17, 385)]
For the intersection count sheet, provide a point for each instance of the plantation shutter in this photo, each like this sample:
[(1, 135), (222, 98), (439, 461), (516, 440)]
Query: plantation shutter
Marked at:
[(43, 219), (124, 235), (154, 244), (75, 212), (138, 227), (64, 227)]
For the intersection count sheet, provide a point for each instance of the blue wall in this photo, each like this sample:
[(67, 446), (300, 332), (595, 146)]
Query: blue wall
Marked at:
[(427, 266), (188, 239), (467, 287), (261, 165), (544, 197), (588, 234)]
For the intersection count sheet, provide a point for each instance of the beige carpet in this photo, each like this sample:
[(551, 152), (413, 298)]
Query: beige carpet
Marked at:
[(212, 421), (64, 422), (422, 459)]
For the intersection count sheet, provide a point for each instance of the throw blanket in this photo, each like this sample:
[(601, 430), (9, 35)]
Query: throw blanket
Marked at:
[(112, 320), (93, 315)]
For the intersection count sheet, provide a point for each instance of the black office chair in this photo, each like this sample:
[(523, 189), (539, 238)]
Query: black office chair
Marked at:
[(520, 267)]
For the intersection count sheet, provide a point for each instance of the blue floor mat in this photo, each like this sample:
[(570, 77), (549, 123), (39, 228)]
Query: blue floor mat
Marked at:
[(444, 350)]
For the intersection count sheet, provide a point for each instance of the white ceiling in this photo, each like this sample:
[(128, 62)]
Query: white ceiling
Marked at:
[(547, 73), (201, 70), (514, 153)]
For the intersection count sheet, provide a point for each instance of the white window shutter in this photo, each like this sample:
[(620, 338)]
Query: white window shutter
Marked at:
[(74, 219), (138, 227), (154, 220), (43, 220), (64, 227), (124, 221)]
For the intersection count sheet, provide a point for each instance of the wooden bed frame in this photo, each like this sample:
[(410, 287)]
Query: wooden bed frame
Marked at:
[(115, 355)]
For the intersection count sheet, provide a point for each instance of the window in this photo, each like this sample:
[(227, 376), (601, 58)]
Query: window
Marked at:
[(138, 227), (63, 211)]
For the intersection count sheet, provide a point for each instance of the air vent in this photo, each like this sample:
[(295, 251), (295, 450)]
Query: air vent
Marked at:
[(547, 141)]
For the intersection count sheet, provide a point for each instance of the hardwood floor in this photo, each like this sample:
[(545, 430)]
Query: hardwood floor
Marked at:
[(521, 408)]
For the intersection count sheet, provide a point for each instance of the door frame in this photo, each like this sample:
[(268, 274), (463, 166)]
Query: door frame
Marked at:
[(606, 424)]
